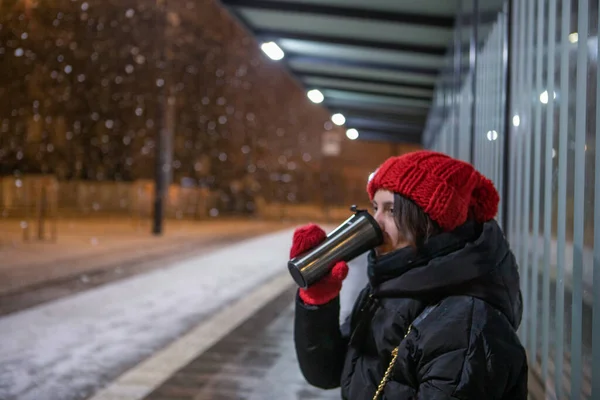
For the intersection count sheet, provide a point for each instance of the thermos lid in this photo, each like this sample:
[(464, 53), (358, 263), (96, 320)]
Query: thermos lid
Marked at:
[(297, 276)]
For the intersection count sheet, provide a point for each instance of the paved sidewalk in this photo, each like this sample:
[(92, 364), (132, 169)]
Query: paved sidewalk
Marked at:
[(255, 361), (245, 351)]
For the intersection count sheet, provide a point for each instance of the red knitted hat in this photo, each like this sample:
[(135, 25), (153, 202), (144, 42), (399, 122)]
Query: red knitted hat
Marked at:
[(445, 188)]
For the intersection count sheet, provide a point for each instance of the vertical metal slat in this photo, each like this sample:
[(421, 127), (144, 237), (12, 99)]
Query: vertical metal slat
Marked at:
[(485, 106), (491, 116), (497, 64), (473, 67), (519, 139), (527, 172), (504, 108), (478, 110), (548, 191), (517, 94), (579, 201), (510, 128), (537, 164), (562, 198), (596, 288)]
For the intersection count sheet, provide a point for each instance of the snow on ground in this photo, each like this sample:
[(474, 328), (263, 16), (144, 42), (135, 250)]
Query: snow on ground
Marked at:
[(69, 348)]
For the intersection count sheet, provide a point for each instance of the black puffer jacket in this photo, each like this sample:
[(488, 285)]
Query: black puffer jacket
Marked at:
[(466, 348)]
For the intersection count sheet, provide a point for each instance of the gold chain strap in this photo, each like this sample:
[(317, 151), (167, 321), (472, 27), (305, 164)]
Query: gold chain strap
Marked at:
[(388, 372)]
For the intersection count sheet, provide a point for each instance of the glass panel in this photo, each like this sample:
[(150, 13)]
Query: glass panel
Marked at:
[(552, 190)]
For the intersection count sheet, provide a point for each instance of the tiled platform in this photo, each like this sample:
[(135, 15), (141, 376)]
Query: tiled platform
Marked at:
[(255, 361)]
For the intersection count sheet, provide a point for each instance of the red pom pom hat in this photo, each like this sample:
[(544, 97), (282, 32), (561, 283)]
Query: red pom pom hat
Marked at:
[(445, 188)]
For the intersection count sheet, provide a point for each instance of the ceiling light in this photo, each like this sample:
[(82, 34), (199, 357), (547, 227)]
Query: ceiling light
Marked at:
[(273, 51), (338, 119), (492, 135), (574, 37), (352, 134), (516, 120), (544, 96), (315, 96)]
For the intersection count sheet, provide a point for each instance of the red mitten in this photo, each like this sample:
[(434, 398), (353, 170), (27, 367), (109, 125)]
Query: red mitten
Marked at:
[(329, 287), (305, 238)]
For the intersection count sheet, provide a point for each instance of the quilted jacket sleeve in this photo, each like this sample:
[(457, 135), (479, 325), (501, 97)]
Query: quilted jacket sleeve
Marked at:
[(320, 345)]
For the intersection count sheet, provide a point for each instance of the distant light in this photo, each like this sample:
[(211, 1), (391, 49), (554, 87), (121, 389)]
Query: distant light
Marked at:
[(315, 96), (544, 97), (338, 119), (574, 37), (352, 134), (516, 120), (492, 135), (273, 51), (553, 153)]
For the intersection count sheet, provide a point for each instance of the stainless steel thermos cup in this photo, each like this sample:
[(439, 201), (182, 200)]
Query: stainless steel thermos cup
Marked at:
[(355, 236)]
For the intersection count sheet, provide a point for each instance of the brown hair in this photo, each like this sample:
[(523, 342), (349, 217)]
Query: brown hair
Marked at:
[(412, 222)]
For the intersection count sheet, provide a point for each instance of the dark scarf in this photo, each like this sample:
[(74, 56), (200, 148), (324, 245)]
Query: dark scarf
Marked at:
[(396, 263)]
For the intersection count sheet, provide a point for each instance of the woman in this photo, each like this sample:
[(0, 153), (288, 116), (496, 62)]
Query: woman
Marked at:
[(439, 315)]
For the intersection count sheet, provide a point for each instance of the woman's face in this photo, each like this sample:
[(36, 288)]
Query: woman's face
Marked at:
[(383, 209)]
